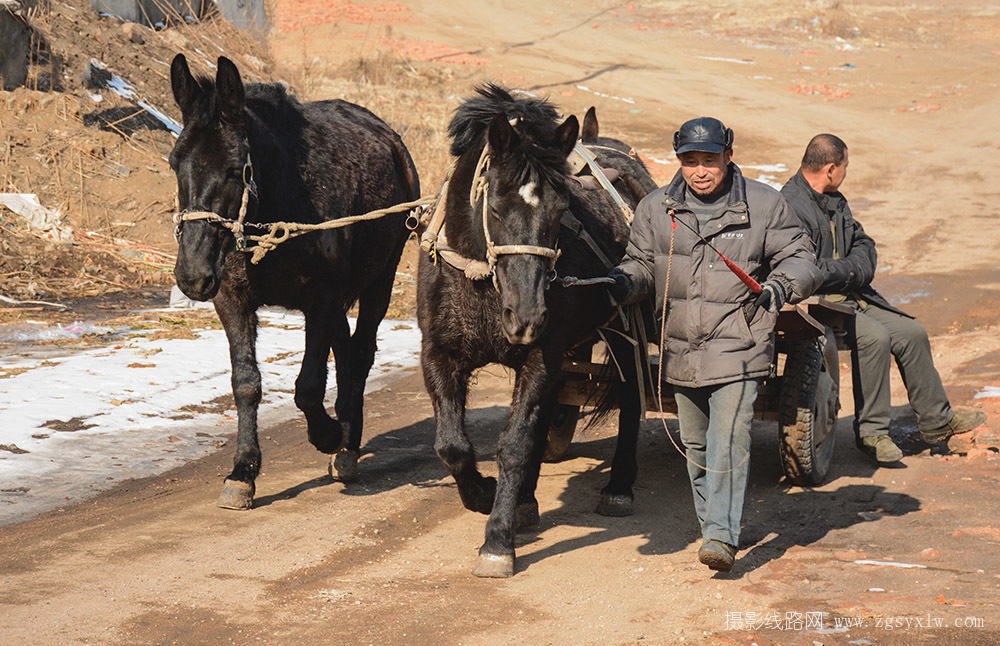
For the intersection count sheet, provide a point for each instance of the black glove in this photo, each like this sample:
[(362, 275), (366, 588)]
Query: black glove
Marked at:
[(772, 297), (621, 288)]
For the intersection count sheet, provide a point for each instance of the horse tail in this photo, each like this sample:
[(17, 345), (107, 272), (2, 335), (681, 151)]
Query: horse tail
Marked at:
[(625, 369), (406, 168), (606, 399)]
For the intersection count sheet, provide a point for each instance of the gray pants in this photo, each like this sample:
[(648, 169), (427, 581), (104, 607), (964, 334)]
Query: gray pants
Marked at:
[(715, 429), (876, 336)]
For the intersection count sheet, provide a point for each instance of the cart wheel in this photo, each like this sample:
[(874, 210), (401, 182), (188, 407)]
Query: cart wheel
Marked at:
[(561, 432), (810, 400)]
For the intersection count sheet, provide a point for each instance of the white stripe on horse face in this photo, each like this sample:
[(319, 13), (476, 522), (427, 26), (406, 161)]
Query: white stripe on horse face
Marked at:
[(527, 193)]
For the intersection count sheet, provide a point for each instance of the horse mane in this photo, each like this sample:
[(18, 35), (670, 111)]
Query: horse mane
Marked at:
[(268, 98), (533, 119)]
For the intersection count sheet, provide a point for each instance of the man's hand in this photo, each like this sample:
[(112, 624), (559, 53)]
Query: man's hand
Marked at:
[(621, 288), (772, 296)]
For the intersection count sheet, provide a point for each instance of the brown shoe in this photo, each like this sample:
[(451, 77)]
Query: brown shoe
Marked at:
[(717, 555), (961, 422), (882, 448)]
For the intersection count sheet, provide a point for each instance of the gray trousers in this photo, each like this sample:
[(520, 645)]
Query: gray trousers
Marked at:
[(876, 336), (715, 429)]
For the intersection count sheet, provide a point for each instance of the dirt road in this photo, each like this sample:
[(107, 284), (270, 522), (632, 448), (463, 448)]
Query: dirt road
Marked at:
[(905, 555)]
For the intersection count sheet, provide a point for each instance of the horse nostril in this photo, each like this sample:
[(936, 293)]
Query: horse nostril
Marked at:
[(508, 320)]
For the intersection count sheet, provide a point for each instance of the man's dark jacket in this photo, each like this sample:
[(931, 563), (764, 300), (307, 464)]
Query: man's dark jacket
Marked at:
[(851, 274)]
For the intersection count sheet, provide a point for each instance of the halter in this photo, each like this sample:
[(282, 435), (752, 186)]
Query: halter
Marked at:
[(480, 188), (237, 225)]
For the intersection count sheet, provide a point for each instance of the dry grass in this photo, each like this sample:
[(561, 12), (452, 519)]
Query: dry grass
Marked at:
[(414, 99)]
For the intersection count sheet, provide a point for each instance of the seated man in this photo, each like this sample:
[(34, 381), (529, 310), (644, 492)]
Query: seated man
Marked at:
[(847, 258)]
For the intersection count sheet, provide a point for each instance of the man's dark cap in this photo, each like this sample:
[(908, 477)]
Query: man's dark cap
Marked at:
[(704, 134)]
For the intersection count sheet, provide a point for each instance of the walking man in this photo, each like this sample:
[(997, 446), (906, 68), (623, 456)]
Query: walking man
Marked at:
[(880, 332), (718, 336)]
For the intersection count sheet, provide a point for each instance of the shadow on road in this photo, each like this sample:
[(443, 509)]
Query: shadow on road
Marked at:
[(790, 516)]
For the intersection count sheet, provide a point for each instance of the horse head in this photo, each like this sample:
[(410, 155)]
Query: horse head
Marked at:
[(526, 197), (212, 164)]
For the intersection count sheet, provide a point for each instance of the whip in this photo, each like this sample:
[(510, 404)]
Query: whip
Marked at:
[(747, 279)]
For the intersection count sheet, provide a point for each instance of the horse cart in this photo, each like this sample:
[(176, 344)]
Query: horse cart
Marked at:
[(801, 393)]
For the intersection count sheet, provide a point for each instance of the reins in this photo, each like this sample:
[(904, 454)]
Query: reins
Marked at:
[(278, 232)]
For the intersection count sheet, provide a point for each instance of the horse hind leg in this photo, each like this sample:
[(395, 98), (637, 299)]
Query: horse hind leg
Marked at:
[(617, 496), (372, 306), (325, 328)]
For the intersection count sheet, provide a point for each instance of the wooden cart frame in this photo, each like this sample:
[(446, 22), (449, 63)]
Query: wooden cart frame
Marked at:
[(803, 394)]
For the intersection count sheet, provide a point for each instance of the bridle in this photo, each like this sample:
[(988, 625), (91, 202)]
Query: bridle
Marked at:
[(480, 189), (236, 226)]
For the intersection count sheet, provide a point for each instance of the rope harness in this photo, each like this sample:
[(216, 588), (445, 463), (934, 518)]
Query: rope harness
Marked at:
[(481, 189), (435, 244), (277, 232)]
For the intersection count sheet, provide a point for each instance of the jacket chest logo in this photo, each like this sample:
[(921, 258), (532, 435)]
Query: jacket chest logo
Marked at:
[(731, 235)]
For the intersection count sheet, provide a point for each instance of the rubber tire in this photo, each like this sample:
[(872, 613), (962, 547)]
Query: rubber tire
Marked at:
[(561, 432), (810, 400)]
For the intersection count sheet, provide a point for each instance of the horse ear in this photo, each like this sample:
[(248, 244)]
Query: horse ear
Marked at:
[(229, 88), (185, 88), (566, 134), (590, 126), (501, 136)]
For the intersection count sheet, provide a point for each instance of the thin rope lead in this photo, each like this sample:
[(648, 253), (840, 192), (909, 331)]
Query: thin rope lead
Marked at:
[(659, 376)]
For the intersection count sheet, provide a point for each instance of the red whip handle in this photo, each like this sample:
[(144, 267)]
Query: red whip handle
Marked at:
[(742, 275)]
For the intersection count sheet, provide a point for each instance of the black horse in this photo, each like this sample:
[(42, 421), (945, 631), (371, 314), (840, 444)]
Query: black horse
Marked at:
[(631, 181), (511, 202), (294, 162)]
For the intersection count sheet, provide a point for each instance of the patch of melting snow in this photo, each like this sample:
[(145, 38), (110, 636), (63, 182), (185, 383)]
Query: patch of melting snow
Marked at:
[(767, 173), (908, 298), (988, 391), (75, 424), (726, 60), (890, 564), (624, 99)]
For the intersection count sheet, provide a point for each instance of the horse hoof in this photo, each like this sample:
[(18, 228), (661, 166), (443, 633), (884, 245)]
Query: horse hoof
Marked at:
[(236, 495), (494, 566), (344, 466), (332, 439), (526, 515), (615, 505)]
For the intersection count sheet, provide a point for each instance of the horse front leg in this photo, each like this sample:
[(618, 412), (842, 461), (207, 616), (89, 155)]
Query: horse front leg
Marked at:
[(617, 496), (326, 327), (447, 383), (239, 319), (514, 452), (526, 514)]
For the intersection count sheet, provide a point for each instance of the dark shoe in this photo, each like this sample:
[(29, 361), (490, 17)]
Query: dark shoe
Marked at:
[(962, 422), (717, 555), (882, 448)]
